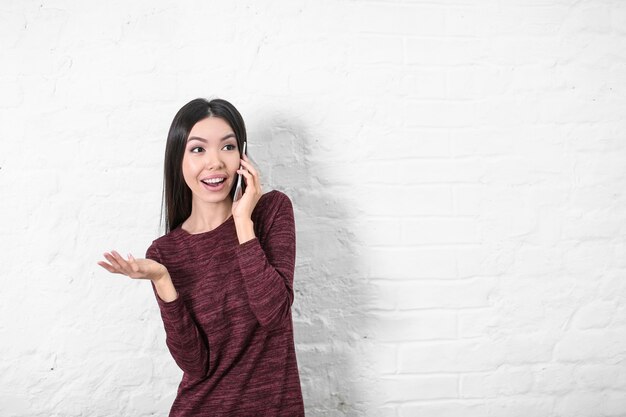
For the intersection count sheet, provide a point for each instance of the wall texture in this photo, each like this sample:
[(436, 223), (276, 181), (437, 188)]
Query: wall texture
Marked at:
[(456, 167)]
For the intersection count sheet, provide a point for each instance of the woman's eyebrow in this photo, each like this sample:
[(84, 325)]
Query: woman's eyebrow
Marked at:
[(230, 135)]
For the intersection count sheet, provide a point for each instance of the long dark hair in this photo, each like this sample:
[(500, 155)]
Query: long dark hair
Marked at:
[(176, 194)]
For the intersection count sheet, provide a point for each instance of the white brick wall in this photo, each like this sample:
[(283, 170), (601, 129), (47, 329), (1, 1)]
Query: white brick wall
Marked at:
[(457, 171)]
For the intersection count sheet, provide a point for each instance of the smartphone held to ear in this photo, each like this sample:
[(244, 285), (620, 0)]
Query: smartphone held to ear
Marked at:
[(241, 186)]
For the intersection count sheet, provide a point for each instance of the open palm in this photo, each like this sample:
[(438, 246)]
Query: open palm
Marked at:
[(133, 268)]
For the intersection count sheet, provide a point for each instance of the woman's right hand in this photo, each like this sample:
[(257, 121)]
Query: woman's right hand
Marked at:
[(134, 268)]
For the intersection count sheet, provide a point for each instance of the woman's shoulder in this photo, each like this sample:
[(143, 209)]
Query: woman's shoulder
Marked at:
[(270, 202), (273, 196), (164, 242), (273, 206)]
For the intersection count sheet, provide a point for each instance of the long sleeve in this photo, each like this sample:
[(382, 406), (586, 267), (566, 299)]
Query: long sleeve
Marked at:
[(230, 328), (268, 271), (183, 338)]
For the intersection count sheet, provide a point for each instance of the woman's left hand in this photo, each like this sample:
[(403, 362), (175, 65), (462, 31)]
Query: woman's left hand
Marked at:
[(242, 209)]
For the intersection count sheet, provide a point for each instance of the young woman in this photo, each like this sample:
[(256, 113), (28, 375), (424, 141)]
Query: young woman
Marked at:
[(223, 273)]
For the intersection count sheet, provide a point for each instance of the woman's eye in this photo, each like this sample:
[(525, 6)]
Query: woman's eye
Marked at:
[(233, 147)]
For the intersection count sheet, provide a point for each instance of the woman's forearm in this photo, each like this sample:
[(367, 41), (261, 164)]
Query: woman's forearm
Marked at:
[(165, 288), (184, 339)]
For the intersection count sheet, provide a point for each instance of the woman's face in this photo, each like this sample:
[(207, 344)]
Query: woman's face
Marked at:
[(211, 149)]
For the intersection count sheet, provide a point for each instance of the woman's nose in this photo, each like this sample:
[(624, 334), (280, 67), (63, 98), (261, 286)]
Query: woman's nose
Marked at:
[(213, 158)]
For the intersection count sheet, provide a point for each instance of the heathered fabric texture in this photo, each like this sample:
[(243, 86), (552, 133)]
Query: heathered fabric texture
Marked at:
[(230, 329)]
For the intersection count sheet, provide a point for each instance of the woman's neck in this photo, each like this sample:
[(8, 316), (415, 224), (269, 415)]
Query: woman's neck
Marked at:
[(207, 216)]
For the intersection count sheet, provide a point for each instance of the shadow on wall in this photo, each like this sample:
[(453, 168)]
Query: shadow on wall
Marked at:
[(331, 295)]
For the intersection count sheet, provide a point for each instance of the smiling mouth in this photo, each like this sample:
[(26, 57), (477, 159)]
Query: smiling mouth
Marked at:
[(213, 182)]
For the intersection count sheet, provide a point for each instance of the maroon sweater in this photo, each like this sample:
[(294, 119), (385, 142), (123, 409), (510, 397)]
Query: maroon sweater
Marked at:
[(230, 329)]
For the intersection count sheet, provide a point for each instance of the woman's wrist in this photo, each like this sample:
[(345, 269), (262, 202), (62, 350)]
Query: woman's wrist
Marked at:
[(245, 229)]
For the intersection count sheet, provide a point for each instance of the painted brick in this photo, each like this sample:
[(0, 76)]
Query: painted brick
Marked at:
[(456, 170)]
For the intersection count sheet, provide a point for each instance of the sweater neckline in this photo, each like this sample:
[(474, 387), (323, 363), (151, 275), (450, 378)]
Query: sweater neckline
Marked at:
[(208, 232)]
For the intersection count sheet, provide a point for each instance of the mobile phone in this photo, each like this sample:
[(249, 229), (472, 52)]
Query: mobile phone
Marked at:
[(241, 186)]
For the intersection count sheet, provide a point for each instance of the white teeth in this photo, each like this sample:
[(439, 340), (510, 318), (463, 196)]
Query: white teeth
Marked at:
[(213, 180)]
